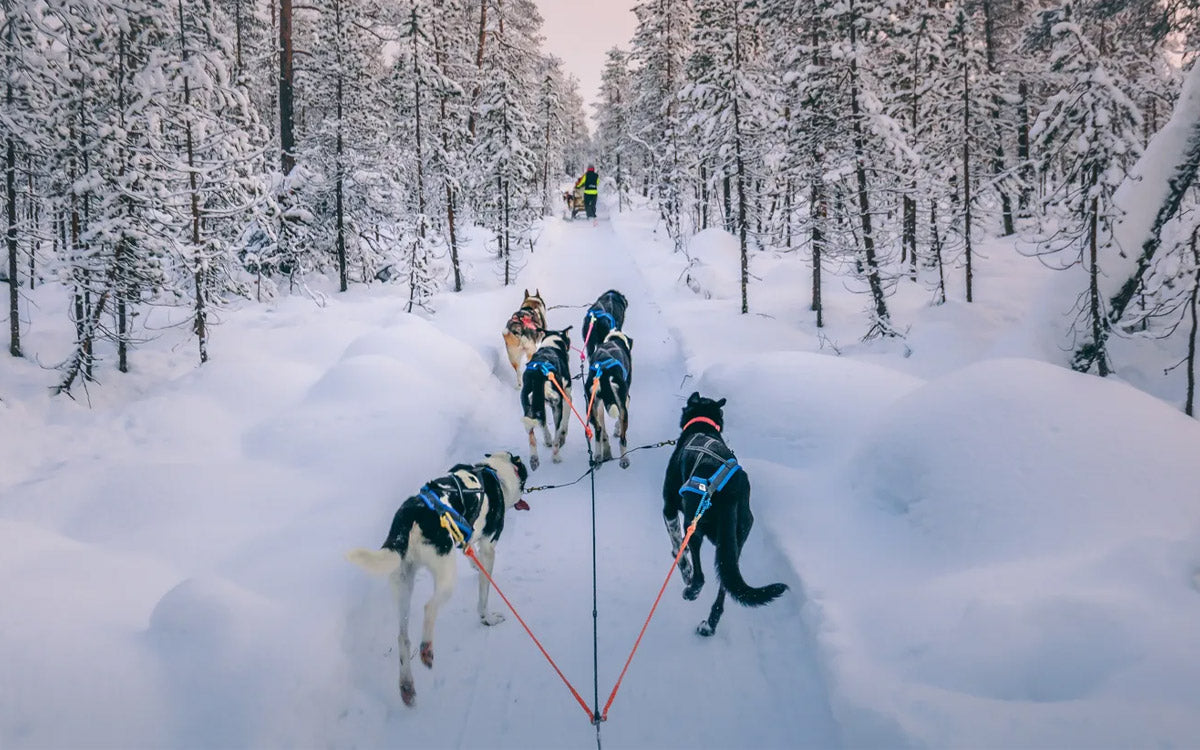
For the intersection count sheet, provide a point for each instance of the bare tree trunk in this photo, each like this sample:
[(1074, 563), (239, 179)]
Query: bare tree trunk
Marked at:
[(966, 167), (287, 136), (1094, 312), (478, 63), (200, 320), (10, 180), (122, 272), (935, 244), (1189, 404), (1023, 145), (997, 127), (818, 245), (882, 323)]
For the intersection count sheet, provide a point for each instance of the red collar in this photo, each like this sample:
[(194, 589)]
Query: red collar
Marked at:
[(693, 420)]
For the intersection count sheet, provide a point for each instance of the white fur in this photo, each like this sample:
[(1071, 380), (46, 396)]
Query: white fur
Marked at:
[(420, 553)]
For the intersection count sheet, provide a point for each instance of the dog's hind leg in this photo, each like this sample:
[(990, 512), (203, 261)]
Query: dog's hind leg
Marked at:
[(402, 585), (671, 510), (513, 347), (487, 556), (697, 582), (624, 432), (443, 585), (560, 423), (709, 626), (533, 456)]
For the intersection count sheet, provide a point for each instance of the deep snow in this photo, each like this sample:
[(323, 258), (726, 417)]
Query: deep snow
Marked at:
[(984, 549)]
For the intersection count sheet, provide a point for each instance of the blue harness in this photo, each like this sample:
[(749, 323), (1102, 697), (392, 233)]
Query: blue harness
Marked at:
[(599, 315), (435, 503), (541, 365), (608, 364), (706, 488)]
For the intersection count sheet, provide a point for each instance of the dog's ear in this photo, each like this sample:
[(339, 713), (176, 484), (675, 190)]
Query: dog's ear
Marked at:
[(629, 341), (721, 403), (537, 293), (564, 331), (526, 292), (694, 398)]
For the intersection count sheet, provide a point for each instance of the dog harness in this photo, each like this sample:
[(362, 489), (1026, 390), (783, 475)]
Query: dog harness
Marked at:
[(524, 318), (607, 364), (542, 366), (703, 445), (597, 314), (453, 521)]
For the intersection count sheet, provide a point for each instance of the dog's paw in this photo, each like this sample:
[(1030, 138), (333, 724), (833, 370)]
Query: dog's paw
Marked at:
[(693, 588), (534, 463), (408, 692), (427, 654), (492, 618), (557, 459), (624, 462), (705, 629)]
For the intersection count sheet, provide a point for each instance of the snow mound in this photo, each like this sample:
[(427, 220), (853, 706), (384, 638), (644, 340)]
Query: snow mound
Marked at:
[(799, 407), (969, 453)]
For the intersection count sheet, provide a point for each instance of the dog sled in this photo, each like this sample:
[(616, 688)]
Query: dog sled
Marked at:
[(574, 203)]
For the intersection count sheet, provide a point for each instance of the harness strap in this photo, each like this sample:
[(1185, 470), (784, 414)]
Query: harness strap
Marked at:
[(602, 315), (706, 487), (607, 364), (451, 519), (542, 366)]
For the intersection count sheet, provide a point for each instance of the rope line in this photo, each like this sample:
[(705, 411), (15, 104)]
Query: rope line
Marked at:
[(587, 429), (595, 466), (470, 552), (682, 548)]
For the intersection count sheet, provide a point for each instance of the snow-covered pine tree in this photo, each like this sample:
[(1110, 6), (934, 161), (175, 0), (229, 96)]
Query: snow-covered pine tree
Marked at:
[(1088, 135), (874, 151), (724, 94), (506, 136), (613, 120), (658, 51), (452, 43), (211, 144)]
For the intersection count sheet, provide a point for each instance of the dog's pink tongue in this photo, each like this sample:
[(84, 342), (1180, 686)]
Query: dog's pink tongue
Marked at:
[(521, 505)]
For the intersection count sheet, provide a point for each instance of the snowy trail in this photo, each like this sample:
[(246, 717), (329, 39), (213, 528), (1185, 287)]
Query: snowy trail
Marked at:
[(688, 690)]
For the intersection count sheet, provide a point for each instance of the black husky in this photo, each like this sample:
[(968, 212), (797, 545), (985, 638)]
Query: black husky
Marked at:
[(537, 391), (606, 314), (609, 375), (701, 464)]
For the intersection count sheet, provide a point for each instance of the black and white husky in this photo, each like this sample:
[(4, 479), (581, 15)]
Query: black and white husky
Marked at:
[(538, 394), (606, 314), (703, 464), (610, 373), (479, 495)]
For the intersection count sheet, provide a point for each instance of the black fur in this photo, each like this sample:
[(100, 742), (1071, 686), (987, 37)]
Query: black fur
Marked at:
[(466, 503), (699, 451), (614, 359), (595, 329), (551, 354), (554, 350)]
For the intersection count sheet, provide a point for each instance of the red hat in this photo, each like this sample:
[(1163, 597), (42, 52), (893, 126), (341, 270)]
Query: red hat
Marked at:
[(591, 168)]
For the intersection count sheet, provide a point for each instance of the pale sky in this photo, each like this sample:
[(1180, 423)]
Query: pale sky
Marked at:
[(581, 32)]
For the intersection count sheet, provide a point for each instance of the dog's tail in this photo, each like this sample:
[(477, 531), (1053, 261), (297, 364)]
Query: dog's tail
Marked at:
[(731, 574), (378, 561)]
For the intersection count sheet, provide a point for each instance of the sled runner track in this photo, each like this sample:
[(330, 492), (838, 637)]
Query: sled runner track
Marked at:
[(755, 682)]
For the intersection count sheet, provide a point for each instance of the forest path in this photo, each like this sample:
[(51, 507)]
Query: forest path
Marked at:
[(755, 683)]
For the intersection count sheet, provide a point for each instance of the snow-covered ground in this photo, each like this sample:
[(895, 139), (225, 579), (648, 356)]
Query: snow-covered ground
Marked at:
[(984, 549)]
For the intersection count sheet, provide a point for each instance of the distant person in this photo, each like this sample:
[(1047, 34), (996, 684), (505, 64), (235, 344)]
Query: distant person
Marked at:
[(589, 182)]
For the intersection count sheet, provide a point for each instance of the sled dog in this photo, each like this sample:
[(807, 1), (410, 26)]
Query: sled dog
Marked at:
[(702, 463), (538, 394), (606, 314), (479, 495), (524, 331), (609, 375)]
